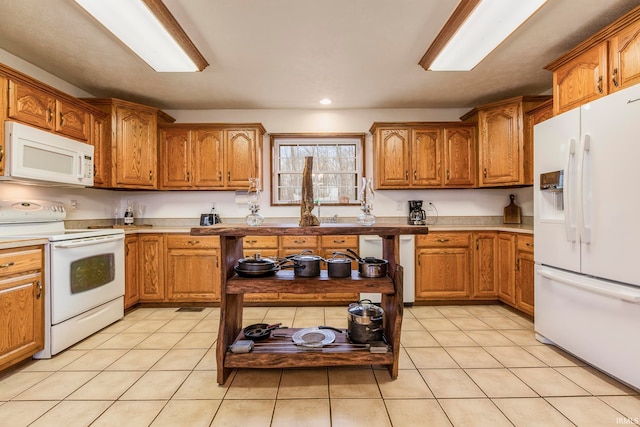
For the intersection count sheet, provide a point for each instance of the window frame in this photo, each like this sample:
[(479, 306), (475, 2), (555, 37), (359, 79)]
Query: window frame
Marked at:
[(359, 138)]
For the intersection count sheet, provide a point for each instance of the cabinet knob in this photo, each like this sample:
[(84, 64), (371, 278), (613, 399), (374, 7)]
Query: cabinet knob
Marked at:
[(39, 285), (61, 119), (228, 176), (193, 242), (614, 77), (406, 174), (443, 240), (49, 115), (188, 176), (484, 172), (150, 175), (7, 265)]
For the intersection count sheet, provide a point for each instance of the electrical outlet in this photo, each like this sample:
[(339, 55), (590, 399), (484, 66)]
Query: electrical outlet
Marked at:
[(398, 206), (74, 205), (429, 206)]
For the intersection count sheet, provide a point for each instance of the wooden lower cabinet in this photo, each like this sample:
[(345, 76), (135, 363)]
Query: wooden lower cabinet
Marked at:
[(193, 268), (151, 267), (525, 274), (443, 266), (485, 273), (131, 286), (21, 304), (506, 267)]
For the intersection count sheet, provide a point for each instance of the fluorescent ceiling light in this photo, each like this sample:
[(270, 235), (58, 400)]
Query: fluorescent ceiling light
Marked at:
[(475, 29), (148, 28)]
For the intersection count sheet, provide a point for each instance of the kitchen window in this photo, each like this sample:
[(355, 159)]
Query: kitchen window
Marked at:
[(338, 165)]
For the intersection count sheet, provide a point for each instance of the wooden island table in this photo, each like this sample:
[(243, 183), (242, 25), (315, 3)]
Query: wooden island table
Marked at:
[(234, 287)]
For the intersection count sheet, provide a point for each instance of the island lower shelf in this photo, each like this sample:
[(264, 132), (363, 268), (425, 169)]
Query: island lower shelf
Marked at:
[(284, 353)]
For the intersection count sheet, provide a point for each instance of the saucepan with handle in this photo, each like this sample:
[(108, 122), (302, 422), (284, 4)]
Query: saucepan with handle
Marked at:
[(370, 267)]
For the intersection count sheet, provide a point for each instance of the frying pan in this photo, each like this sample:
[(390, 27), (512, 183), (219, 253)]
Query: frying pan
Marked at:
[(259, 331)]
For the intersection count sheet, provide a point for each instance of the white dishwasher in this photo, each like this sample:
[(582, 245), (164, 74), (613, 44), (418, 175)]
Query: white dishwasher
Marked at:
[(372, 246)]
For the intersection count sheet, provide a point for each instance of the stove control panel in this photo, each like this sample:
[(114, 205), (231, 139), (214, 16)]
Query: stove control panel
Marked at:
[(19, 211)]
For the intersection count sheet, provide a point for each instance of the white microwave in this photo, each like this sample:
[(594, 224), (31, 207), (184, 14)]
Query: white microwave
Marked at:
[(34, 156)]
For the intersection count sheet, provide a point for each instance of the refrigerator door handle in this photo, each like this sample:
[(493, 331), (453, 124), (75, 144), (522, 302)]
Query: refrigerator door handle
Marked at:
[(583, 190), (567, 193), (627, 295)]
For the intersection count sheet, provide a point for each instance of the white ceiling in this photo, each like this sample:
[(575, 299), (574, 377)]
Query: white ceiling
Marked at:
[(291, 53)]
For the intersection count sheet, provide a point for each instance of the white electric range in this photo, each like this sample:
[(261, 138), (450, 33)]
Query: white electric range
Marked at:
[(84, 271)]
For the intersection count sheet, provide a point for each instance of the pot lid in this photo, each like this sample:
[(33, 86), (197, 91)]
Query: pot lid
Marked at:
[(256, 259), (313, 337)]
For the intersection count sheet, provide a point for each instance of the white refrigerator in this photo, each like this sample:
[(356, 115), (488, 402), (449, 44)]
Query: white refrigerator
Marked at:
[(587, 233)]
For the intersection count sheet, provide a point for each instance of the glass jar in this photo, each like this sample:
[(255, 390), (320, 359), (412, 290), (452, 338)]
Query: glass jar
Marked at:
[(253, 200), (366, 202)]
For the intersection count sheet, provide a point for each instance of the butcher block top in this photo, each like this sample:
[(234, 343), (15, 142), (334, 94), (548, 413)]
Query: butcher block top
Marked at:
[(238, 230)]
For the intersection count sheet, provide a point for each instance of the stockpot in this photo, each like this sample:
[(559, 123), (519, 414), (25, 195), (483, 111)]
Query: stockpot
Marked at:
[(365, 322)]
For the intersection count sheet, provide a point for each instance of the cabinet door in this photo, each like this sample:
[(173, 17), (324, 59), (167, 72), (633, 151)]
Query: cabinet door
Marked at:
[(525, 277), (392, 152), (500, 131), (136, 148), (193, 275), (425, 157), (151, 267), (21, 318), (624, 58), (30, 105), (4, 109), (581, 80), (131, 286), (72, 121), (459, 157), (101, 153), (175, 152), (207, 158), (485, 283), (443, 273), (240, 157), (506, 267)]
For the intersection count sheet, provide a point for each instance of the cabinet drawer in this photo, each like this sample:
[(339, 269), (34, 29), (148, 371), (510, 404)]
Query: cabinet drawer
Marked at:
[(13, 261), (339, 241), (524, 243), (302, 242), (443, 240), (266, 242), (187, 242)]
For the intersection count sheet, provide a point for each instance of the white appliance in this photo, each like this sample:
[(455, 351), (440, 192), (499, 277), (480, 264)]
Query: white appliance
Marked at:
[(84, 271), (587, 284), (372, 246), (33, 156)]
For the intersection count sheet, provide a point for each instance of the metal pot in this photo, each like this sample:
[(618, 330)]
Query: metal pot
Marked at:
[(365, 322), (305, 264), (339, 265), (371, 267), (256, 266)]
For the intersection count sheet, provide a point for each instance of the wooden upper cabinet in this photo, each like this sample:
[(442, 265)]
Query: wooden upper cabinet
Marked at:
[(581, 80), (604, 63), (136, 152), (72, 121), (97, 138), (424, 155), (4, 89), (30, 105), (392, 155), (175, 156), (624, 58), (209, 156), (459, 156), (505, 149), (130, 150), (240, 157)]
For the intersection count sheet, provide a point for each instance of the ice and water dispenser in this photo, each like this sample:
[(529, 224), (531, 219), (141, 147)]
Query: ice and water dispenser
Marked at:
[(552, 200)]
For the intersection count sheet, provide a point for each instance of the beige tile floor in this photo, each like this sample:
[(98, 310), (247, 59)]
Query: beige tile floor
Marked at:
[(460, 365)]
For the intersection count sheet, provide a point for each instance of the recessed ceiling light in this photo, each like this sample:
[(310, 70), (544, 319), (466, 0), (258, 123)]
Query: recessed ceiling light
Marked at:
[(325, 101)]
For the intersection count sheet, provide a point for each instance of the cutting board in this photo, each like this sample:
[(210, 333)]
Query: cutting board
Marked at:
[(512, 214)]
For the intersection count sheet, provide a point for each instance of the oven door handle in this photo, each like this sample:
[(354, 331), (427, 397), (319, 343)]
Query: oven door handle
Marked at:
[(87, 242)]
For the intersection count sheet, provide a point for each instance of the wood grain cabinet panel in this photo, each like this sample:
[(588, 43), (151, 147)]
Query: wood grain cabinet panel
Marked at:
[(30, 105), (151, 267), (72, 121), (624, 58), (485, 275), (525, 274), (193, 269), (207, 158), (392, 158), (506, 267), (459, 156), (22, 291), (131, 259)]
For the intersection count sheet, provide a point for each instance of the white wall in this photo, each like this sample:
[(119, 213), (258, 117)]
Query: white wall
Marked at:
[(94, 203)]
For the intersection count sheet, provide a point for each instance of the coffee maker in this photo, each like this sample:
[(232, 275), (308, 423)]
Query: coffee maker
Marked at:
[(417, 215)]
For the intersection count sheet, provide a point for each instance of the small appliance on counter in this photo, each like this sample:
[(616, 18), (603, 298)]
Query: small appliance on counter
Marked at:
[(417, 215), (210, 218)]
